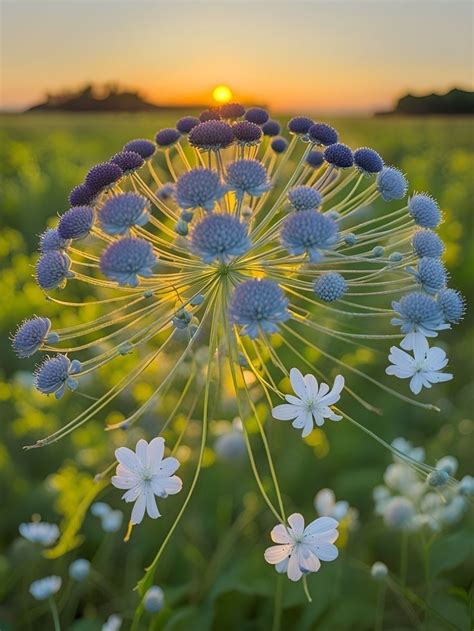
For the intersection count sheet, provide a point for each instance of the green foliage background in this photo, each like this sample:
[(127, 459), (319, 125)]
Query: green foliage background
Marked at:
[(213, 571)]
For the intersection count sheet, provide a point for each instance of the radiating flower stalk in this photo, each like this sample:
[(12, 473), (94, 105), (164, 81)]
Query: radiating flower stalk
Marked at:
[(222, 234)]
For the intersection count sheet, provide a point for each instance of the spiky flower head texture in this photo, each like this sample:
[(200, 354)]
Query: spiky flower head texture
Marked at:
[(339, 156), (271, 128), (368, 161), (322, 134), (300, 125), (427, 243), (279, 144), (30, 335), (54, 375), (315, 159), (81, 195), (121, 212), (256, 115), (258, 305), (431, 274), (247, 177), (145, 148), (304, 198), (185, 124), (125, 260), (308, 232), (102, 176), (391, 184), (247, 133), (128, 161), (51, 240), (199, 188), (167, 137), (330, 286), (212, 114), (232, 110), (424, 210), (219, 237), (452, 305), (211, 135), (76, 223), (53, 269)]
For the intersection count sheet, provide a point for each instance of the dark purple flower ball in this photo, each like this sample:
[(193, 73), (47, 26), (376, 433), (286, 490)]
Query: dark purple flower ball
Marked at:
[(300, 125), (232, 110), (145, 148), (212, 114), (185, 124), (368, 161), (247, 133), (81, 195), (256, 115), (322, 134), (279, 144), (76, 223), (211, 136), (167, 137), (339, 155), (271, 128), (128, 161), (102, 176), (314, 159)]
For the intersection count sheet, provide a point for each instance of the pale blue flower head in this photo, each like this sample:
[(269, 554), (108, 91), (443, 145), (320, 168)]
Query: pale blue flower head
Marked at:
[(322, 134), (219, 237), (449, 464), (247, 176), (391, 184), (308, 232), (430, 274), (112, 521), (39, 532), (258, 305), (56, 374), (339, 156), (99, 509), (368, 161), (121, 212), (53, 270), (76, 223), (199, 188), (427, 243), (379, 571), (466, 486), (79, 569), (424, 210), (31, 334), (418, 312), (154, 599), (50, 240), (166, 192), (330, 286), (145, 148), (279, 144), (304, 198), (44, 588), (125, 260), (452, 305), (399, 513), (437, 478)]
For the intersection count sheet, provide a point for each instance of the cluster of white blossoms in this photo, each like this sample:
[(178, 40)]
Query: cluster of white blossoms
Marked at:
[(406, 502)]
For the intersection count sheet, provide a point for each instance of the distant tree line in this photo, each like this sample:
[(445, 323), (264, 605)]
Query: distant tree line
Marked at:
[(454, 102)]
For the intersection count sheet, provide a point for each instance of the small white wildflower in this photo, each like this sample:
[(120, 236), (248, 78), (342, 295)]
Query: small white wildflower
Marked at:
[(423, 369), (326, 505), (39, 532), (300, 550), (311, 403)]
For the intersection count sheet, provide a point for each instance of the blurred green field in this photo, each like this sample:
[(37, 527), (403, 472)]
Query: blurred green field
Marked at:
[(213, 572)]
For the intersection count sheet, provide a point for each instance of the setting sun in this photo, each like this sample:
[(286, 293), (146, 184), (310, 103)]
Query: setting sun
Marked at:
[(222, 94)]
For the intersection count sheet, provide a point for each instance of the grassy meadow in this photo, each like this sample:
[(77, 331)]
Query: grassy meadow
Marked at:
[(213, 572)]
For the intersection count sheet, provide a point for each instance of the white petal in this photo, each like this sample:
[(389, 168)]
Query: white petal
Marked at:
[(172, 485), (437, 358), (294, 570), (308, 426), (326, 551), (127, 458), (329, 536), (400, 358), (324, 502), (132, 494), (168, 466), (290, 398), (282, 567), (416, 383), (151, 507), (438, 377), (156, 449), (138, 511), (123, 483), (323, 390), (280, 534), (335, 394), (277, 554), (340, 510), (309, 561), (142, 450), (296, 522), (320, 525), (401, 373), (285, 412), (297, 383), (311, 384), (302, 418), (420, 347)]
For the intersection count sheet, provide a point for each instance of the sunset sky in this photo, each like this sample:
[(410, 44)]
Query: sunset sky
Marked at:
[(337, 55)]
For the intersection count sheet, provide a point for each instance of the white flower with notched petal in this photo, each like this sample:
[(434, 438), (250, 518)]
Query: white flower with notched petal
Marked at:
[(145, 473), (423, 369), (300, 550), (311, 403)]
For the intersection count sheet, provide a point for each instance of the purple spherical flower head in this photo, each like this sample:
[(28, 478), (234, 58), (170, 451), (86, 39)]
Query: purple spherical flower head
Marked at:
[(31, 334), (368, 161), (103, 176), (304, 198), (271, 128), (314, 159), (125, 260), (247, 176), (322, 134), (167, 137), (310, 232), (279, 144), (51, 240), (424, 210), (211, 136), (76, 223), (219, 236), (53, 269), (258, 305), (452, 305), (185, 124), (232, 110), (166, 192), (54, 375), (81, 195), (212, 114), (391, 184), (330, 286), (128, 161), (339, 156), (247, 133), (427, 243), (145, 148), (300, 125), (199, 188), (256, 115), (121, 212)]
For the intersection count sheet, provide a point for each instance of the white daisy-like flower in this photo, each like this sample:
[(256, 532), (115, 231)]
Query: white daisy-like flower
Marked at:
[(423, 368), (144, 474), (300, 550), (39, 532), (311, 403)]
